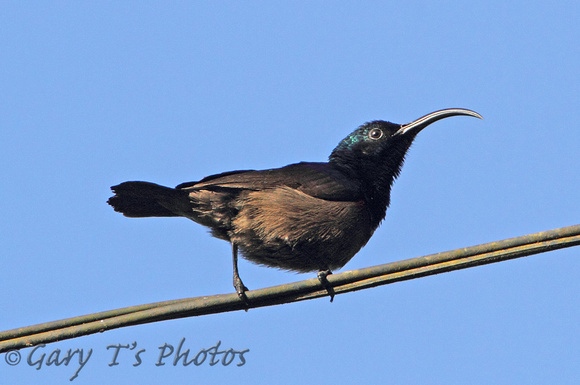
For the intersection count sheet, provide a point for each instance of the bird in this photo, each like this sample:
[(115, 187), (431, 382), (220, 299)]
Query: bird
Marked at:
[(303, 217)]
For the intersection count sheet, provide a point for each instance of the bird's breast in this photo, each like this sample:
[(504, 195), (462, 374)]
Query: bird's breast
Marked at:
[(283, 227)]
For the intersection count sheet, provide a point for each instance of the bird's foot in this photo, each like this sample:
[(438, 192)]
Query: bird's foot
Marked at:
[(241, 290), (322, 274)]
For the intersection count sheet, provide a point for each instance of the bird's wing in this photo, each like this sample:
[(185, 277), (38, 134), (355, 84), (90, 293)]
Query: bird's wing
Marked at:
[(319, 180)]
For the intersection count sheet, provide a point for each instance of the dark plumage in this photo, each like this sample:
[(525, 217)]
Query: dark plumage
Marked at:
[(301, 217)]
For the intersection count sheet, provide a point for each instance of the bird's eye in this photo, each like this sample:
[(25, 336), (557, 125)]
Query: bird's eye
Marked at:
[(376, 133)]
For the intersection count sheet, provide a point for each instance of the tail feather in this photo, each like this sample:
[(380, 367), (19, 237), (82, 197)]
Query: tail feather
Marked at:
[(144, 199)]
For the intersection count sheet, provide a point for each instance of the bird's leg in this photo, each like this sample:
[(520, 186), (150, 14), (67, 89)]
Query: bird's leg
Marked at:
[(322, 274), (238, 284)]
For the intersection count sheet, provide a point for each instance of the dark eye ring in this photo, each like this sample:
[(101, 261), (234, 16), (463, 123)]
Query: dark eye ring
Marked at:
[(376, 133)]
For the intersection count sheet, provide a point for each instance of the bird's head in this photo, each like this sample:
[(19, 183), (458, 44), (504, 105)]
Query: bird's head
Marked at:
[(374, 152)]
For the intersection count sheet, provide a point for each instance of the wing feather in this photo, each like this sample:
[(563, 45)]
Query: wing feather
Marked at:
[(319, 180)]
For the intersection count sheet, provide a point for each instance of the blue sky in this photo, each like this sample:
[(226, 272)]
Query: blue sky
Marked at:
[(94, 94)]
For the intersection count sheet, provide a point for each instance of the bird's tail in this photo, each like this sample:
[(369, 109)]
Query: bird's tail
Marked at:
[(144, 199)]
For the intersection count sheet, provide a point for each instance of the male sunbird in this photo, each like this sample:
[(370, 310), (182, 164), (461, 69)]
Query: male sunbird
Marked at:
[(302, 217)]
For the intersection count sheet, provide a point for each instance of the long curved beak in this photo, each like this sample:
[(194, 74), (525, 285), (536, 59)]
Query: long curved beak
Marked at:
[(419, 124)]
